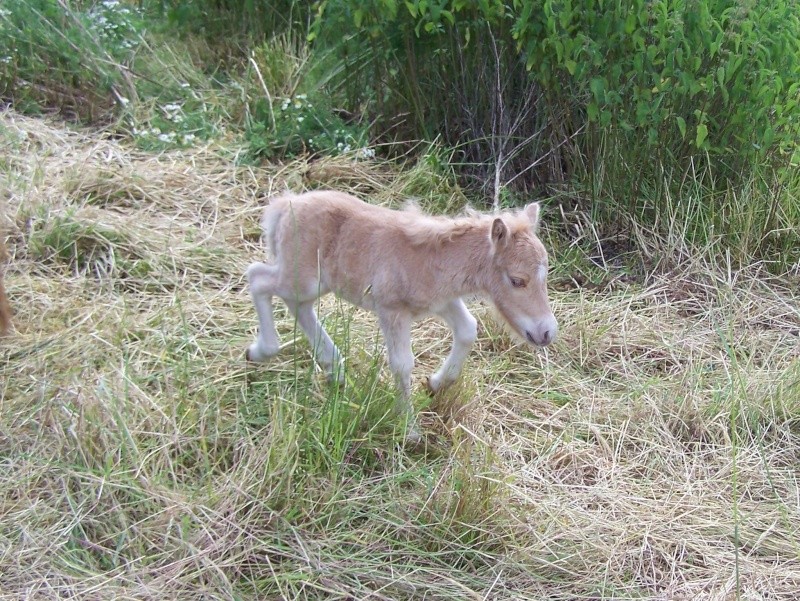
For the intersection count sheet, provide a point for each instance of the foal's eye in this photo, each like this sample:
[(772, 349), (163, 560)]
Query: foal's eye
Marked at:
[(517, 282)]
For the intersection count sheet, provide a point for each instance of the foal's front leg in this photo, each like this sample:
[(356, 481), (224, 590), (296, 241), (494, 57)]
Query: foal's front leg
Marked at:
[(465, 331), (262, 280), (325, 351), (396, 329)]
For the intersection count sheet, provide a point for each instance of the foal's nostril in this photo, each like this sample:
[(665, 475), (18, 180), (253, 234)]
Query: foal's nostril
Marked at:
[(544, 338)]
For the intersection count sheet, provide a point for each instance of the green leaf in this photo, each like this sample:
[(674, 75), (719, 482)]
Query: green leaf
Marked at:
[(721, 76), (564, 18), (681, 126), (630, 23), (571, 66), (769, 136), (702, 134), (598, 86)]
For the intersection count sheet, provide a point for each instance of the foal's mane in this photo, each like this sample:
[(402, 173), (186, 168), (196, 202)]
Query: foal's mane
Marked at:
[(430, 230)]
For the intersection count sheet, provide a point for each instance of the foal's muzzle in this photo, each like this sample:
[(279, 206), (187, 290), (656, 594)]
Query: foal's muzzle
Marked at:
[(543, 333)]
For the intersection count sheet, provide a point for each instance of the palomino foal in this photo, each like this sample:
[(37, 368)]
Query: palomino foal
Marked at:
[(401, 265)]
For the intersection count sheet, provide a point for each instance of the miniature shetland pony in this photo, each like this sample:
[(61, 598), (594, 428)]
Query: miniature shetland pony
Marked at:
[(402, 265)]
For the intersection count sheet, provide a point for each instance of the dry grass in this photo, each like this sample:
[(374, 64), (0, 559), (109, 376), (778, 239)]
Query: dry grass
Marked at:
[(650, 453)]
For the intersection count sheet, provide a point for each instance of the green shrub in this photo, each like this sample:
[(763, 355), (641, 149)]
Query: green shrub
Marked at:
[(180, 123), (74, 60), (448, 71), (222, 20), (679, 77), (290, 127), (674, 79)]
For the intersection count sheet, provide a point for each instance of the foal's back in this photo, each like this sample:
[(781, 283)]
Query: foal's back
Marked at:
[(356, 249)]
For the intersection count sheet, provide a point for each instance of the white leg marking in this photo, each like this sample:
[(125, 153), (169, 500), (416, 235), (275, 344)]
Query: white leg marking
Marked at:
[(465, 331), (261, 280), (396, 329), (325, 351)]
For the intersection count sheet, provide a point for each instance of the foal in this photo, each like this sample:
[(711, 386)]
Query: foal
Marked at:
[(401, 265)]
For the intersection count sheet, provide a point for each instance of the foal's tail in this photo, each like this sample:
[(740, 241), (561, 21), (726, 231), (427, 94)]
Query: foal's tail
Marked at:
[(273, 214)]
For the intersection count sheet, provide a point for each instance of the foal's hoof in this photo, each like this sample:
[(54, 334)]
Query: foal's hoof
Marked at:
[(434, 384), (429, 386), (413, 435), (336, 377), (255, 354)]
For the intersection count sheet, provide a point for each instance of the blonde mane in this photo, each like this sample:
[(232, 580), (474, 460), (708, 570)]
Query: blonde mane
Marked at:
[(430, 230)]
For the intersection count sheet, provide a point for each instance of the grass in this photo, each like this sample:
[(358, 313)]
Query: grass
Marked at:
[(650, 453)]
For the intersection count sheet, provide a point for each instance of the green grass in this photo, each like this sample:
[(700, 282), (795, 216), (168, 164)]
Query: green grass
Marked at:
[(648, 453)]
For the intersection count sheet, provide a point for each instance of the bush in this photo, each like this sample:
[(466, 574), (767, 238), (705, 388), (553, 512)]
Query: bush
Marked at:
[(451, 71), (231, 20), (682, 78), (290, 127), (671, 80), (54, 57)]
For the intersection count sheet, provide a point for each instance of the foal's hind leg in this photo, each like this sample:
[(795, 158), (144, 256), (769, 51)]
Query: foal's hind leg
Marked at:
[(262, 279), (465, 331), (325, 351), (396, 329)]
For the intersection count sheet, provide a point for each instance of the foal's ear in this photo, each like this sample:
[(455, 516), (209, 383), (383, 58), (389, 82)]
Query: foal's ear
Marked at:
[(532, 213), (499, 232)]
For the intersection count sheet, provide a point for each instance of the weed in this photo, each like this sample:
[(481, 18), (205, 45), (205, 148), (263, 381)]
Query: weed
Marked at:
[(52, 56), (298, 126)]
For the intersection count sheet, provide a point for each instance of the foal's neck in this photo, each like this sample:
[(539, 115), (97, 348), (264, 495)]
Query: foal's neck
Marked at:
[(464, 260)]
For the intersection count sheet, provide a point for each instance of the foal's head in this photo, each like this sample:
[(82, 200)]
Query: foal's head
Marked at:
[(518, 281)]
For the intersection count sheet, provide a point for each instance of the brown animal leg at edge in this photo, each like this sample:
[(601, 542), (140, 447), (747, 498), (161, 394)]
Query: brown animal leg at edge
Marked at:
[(5, 308)]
